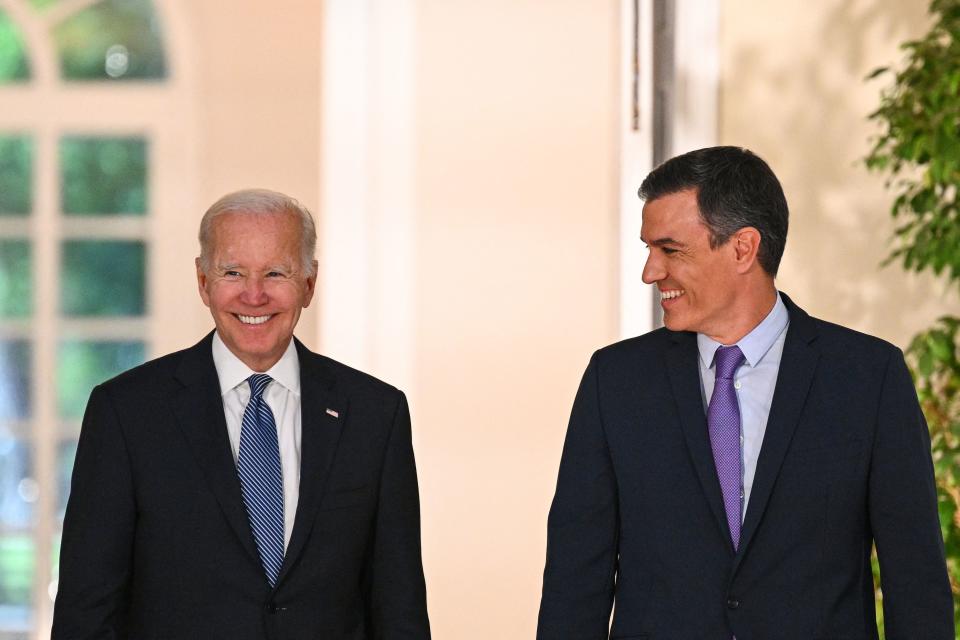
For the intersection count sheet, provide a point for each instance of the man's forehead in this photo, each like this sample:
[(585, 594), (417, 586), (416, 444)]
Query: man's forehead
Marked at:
[(670, 228), (234, 227)]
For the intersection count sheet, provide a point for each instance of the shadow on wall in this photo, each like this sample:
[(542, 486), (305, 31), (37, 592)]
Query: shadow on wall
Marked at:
[(804, 108)]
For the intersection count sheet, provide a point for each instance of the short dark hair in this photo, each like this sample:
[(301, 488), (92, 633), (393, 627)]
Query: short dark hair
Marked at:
[(735, 189)]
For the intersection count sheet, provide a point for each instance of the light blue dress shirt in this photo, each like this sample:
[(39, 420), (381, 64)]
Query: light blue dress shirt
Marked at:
[(754, 382)]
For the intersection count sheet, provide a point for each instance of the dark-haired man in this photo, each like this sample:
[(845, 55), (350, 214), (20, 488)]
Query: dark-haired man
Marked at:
[(726, 476)]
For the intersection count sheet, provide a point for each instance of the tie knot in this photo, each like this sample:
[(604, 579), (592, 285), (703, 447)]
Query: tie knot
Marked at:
[(258, 382), (728, 360)]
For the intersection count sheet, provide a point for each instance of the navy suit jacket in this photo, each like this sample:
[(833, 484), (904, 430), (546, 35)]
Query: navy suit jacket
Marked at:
[(638, 517), (156, 542)]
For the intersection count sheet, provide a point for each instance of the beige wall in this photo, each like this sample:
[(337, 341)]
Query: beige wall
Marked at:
[(793, 91), (515, 284)]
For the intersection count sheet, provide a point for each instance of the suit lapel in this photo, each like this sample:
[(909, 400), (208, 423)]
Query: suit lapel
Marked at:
[(199, 410), (684, 375), (797, 367), (320, 434)]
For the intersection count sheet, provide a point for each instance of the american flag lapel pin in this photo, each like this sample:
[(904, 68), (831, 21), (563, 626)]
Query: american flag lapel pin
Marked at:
[(331, 412)]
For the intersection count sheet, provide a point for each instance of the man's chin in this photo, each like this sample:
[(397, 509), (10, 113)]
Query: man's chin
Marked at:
[(674, 323), (254, 353)]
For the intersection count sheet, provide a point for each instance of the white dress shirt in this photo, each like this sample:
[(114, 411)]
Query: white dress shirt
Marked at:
[(283, 397), (754, 382)]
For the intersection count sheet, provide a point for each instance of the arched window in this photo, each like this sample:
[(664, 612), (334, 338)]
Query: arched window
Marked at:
[(86, 89)]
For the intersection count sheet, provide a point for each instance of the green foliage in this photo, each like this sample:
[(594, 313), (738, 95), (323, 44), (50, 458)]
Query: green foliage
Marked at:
[(13, 59), (16, 173), (918, 150), (16, 569), (103, 278), (919, 147), (112, 40), (933, 356), (16, 282), (103, 175)]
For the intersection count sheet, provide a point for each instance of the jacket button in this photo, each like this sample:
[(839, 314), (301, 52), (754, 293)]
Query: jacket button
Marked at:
[(733, 603), (271, 607)]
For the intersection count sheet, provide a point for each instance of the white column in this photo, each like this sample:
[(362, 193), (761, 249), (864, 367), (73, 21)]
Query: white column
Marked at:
[(367, 217)]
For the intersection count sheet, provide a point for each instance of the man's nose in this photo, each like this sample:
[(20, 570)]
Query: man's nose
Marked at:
[(652, 270), (254, 291)]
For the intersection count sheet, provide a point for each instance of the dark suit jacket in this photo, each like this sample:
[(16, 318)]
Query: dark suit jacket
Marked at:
[(638, 516), (156, 542)]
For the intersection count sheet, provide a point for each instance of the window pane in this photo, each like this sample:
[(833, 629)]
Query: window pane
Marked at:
[(13, 58), (102, 278), (18, 488), (16, 174), (16, 581), (112, 40), (16, 283), (15, 379), (66, 453), (103, 175), (82, 365)]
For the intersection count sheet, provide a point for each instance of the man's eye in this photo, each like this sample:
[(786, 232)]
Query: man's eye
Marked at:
[(668, 250), (274, 274), (231, 274)]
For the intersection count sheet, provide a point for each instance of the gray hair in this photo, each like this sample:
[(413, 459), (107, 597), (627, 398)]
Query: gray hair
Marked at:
[(260, 201)]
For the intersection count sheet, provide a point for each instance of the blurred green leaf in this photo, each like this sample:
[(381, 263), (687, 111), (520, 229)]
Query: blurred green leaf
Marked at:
[(16, 569), (114, 40), (103, 278), (103, 176), (16, 175), (13, 57), (16, 279)]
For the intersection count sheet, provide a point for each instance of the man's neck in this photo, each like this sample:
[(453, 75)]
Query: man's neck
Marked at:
[(749, 311)]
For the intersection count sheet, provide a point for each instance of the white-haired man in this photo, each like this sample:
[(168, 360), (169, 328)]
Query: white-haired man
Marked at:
[(245, 488)]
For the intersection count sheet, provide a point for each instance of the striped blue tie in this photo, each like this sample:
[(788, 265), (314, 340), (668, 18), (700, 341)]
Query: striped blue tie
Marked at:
[(261, 482)]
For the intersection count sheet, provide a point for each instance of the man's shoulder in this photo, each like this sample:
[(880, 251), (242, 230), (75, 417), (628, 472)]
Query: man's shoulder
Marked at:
[(639, 348), (843, 342), (153, 374), (652, 340)]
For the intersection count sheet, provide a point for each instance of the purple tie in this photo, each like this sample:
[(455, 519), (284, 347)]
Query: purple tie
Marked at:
[(723, 422)]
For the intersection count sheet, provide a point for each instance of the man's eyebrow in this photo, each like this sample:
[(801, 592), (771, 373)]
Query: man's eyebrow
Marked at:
[(659, 242)]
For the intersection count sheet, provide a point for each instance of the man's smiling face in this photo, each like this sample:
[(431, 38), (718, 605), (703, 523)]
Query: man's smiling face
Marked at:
[(696, 282), (255, 284)]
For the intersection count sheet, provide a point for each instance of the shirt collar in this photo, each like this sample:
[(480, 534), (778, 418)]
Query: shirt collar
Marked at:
[(755, 344), (232, 371)]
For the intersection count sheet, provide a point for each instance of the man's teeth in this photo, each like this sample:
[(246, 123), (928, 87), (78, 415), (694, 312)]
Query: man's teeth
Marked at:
[(674, 293), (253, 319)]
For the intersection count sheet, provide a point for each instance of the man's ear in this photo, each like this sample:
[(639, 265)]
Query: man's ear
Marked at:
[(202, 283), (311, 284), (746, 247)]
